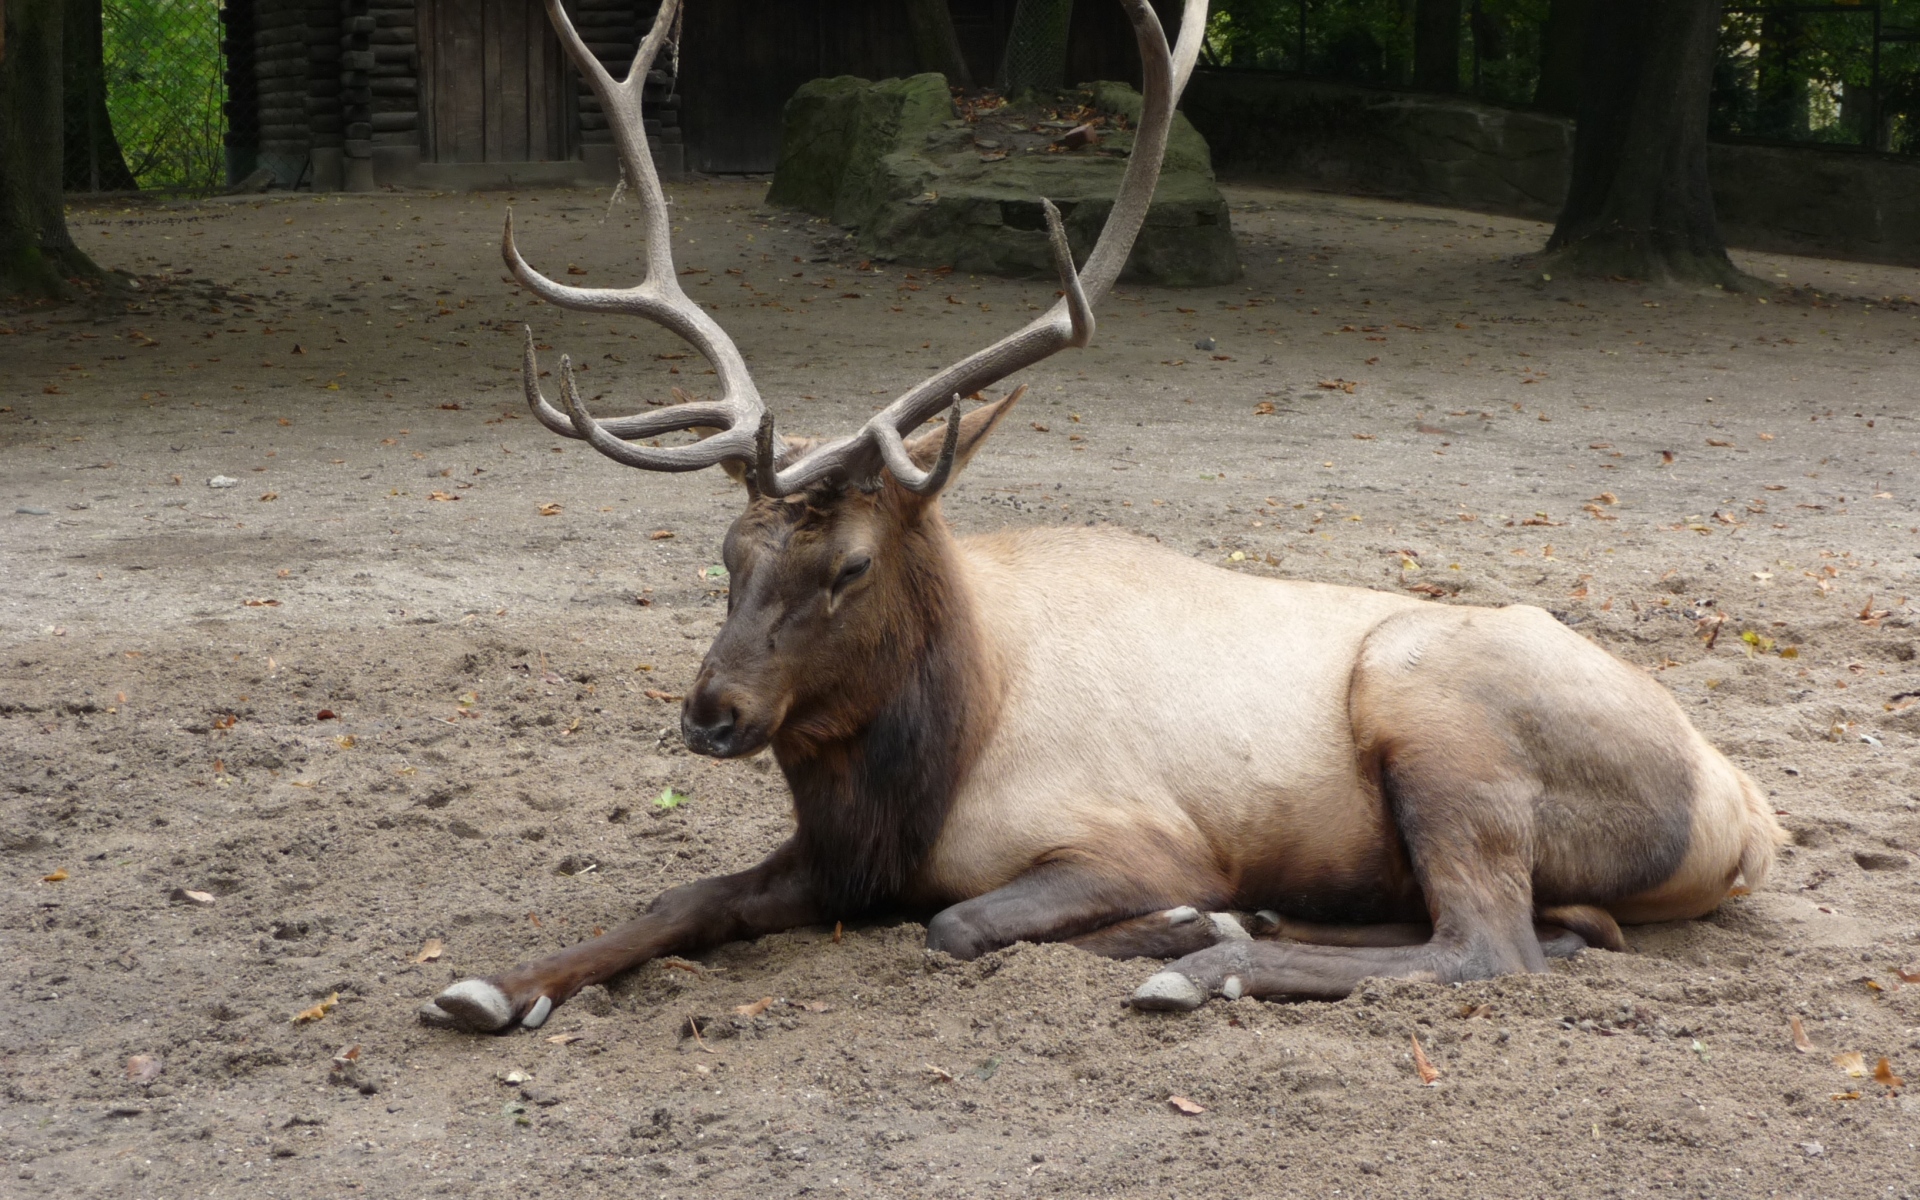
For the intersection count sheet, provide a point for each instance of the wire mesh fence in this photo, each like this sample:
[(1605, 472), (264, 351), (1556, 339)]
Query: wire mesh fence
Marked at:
[(1829, 72), (165, 90)]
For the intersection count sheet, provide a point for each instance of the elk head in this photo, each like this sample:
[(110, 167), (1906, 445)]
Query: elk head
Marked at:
[(836, 567)]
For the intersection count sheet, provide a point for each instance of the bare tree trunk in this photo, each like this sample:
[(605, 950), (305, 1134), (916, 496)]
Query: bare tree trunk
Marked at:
[(935, 43), (94, 162), (1562, 45), (37, 257), (1037, 46), (1639, 203), (1436, 45)]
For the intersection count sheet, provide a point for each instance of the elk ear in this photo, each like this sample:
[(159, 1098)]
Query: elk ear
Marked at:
[(974, 428)]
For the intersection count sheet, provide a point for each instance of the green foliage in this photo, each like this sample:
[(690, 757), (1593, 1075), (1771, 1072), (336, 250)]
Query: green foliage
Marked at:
[(1808, 76), (165, 90)]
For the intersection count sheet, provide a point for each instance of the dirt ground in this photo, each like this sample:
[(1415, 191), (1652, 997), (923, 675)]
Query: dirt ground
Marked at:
[(400, 687)]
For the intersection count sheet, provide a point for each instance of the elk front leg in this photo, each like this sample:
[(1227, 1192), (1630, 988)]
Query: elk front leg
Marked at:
[(1091, 904), (768, 898)]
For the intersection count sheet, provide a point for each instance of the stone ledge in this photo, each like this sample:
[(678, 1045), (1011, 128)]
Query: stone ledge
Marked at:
[(893, 160)]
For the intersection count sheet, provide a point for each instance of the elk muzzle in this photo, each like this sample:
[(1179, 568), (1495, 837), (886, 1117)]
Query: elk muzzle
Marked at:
[(721, 719)]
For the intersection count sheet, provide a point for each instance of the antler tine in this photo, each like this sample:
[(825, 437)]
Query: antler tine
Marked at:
[(657, 298), (1070, 321)]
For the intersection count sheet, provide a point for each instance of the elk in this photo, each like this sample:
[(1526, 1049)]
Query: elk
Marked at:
[(1075, 735)]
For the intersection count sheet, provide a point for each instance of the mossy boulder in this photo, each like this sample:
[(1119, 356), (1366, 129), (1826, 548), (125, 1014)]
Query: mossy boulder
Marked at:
[(923, 184)]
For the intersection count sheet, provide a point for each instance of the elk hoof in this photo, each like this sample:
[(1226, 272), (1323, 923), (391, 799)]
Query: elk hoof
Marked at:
[(473, 1005), (1169, 991), (1228, 928), (537, 1015), (1183, 914)]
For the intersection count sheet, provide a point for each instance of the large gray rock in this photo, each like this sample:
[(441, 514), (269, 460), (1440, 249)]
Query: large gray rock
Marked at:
[(894, 160)]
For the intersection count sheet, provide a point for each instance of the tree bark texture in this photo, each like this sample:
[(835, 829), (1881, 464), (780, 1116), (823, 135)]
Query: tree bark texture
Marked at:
[(1562, 47), (37, 257), (1436, 45), (1036, 56), (94, 162), (1638, 203), (935, 43)]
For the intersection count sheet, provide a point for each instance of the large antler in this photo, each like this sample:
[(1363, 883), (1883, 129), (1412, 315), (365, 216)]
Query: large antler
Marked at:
[(739, 412), (747, 428)]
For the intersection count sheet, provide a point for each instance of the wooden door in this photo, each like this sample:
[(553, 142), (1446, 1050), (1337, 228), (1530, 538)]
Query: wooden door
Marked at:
[(494, 84)]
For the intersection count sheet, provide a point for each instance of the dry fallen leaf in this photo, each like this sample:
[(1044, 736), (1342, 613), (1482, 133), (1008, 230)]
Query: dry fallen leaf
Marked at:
[(1907, 976), (1883, 1074), (1800, 1041), (944, 1076), (433, 948), (145, 1068), (189, 896), (1844, 1096), (58, 876), (567, 1039), (317, 1011), (1429, 1074), (1263, 409), (755, 1009), (1853, 1063), (660, 535), (549, 510), (1181, 1104), (347, 1056)]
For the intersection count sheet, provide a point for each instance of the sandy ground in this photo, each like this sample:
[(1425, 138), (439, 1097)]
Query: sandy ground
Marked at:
[(371, 699)]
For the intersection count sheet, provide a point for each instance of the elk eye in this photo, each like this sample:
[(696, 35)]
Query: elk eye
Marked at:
[(851, 570)]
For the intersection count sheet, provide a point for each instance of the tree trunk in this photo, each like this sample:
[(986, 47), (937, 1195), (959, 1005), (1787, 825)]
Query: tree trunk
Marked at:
[(1436, 45), (935, 43), (1639, 203), (1037, 47), (1562, 46), (37, 257), (94, 162)]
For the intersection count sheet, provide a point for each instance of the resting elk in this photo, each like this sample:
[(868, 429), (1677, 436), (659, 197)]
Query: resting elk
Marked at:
[(1075, 735)]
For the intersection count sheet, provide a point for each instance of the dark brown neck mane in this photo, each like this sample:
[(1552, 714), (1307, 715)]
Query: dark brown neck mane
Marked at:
[(870, 804)]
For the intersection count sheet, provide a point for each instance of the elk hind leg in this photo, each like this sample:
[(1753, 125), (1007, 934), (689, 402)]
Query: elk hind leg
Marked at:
[(1562, 931), (1466, 821)]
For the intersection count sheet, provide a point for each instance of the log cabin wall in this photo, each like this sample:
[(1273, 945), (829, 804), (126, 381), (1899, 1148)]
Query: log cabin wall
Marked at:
[(281, 76), (355, 94), (242, 105)]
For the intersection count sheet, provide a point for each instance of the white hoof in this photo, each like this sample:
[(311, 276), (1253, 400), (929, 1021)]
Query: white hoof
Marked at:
[(1231, 988), (537, 1015), (1183, 914), (472, 1004), (1169, 991), (1228, 928)]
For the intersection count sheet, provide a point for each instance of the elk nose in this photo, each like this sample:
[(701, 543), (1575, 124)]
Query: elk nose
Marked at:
[(708, 728)]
